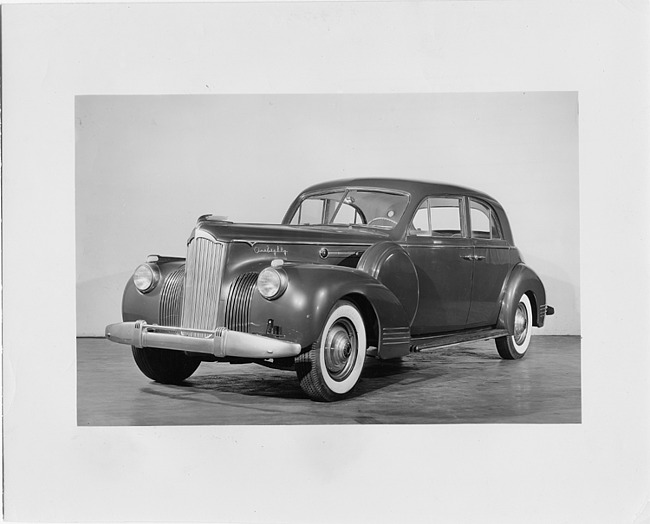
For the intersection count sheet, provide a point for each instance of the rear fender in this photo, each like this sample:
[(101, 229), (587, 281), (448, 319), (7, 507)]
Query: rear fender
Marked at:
[(521, 280), (313, 290)]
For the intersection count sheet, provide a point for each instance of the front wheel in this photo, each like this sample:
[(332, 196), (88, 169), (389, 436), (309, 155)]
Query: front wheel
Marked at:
[(514, 346), (332, 367), (165, 365)]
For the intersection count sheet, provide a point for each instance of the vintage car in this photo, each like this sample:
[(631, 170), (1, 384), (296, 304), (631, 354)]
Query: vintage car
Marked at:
[(365, 267)]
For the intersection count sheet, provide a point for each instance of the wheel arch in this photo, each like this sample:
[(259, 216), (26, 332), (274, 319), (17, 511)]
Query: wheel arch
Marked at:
[(314, 290), (369, 315), (522, 280), (534, 305), (387, 324)]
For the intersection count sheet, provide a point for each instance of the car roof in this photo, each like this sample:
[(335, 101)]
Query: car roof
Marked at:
[(417, 188)]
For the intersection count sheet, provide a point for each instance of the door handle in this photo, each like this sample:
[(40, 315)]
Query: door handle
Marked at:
[(467, 257), (479, 257)]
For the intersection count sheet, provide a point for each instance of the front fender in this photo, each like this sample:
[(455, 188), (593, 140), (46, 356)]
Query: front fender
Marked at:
[(301, 312), (146, 306), (522, 279)]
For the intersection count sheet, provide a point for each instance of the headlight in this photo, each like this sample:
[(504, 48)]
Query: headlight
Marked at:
[(146, 277), (272, 282)]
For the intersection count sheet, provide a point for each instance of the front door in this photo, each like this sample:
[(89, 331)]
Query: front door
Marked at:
[(443, 256)]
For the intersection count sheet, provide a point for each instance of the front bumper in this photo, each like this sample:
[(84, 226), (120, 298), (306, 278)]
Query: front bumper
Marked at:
[(221, 342)]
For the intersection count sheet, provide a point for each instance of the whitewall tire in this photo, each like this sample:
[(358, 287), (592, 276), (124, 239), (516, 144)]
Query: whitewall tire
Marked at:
[(514, 346), (333, 365)]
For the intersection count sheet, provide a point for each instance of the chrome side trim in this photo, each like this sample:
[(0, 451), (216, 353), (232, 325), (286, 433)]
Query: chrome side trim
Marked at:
[(394, 336), (328, 253), (300, 243), (441, 341)]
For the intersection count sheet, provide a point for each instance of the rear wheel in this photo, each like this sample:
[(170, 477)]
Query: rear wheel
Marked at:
[(514, 346), (165, 365), (332, 367)]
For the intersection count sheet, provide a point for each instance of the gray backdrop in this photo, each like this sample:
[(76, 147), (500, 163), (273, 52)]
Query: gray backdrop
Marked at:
[(148, 166)]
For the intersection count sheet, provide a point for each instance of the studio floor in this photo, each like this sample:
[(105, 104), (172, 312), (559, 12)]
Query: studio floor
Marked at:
[(465, 384)]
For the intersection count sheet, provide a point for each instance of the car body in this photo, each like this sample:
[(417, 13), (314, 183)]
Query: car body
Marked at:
[(357, 268)]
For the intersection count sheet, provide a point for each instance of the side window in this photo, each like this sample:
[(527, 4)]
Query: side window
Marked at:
[(483, 221), (420, 223), (445, 216), (438, 217)]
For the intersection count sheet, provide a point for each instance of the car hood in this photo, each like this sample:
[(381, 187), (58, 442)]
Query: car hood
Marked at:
[(260, 233)]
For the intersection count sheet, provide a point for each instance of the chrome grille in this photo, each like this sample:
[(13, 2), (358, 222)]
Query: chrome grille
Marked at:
[(202, 284), (171, 298), (239, 302)]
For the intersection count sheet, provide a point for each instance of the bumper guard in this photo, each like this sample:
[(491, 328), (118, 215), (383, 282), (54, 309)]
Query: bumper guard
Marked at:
[(221, 342)]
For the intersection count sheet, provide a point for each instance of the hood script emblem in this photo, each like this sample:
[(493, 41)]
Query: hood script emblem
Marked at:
[(271, 250)]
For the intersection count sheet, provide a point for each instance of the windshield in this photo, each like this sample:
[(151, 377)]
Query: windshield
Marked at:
[(360, 207)]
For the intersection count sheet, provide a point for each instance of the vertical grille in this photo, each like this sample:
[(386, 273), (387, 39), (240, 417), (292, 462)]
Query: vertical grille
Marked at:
[(239, 301), (171, 298), (202, 284)]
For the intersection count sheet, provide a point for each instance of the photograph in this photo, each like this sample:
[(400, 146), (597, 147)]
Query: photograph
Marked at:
[(327, 259), (289, 262)]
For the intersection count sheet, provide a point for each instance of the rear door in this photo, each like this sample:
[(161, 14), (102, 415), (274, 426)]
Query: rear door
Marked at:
[(492, 263), (439, 246)]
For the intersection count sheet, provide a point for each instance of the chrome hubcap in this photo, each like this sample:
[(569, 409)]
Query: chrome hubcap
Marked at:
[(521, 324), (340, 349)]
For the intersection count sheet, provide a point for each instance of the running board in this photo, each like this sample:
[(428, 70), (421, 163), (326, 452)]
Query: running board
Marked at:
[(441, 341)]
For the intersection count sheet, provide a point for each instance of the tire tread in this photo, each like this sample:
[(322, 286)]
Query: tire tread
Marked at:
[(506, 346), (306, 369), (309, 374), (165, 365)]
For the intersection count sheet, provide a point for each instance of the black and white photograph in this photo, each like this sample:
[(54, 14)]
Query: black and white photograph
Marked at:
[(370, 288), (325, 262)]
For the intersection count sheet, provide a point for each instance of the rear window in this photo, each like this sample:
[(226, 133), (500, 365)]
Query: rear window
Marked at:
[(483, 221)]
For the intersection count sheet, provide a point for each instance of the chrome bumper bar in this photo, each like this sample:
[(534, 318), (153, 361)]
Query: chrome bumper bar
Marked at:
[(221, 342)]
